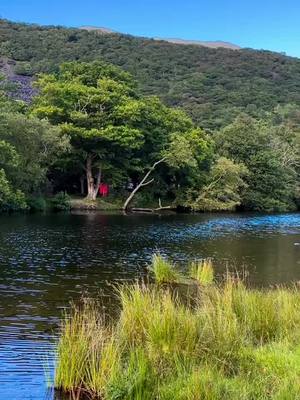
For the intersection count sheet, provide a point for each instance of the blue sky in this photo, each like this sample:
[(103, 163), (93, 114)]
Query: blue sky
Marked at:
[(261, 24)]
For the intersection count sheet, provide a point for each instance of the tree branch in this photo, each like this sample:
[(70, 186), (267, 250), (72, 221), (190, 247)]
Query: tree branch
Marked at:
[(147, 183), (143, 182)]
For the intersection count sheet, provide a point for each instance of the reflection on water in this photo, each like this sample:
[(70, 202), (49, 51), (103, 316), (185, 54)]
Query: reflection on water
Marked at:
[(47, 260)]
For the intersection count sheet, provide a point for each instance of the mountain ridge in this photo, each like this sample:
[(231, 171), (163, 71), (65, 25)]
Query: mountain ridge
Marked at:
[(215, 44), (206, 43)]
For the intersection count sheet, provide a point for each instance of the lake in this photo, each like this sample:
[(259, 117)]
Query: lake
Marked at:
[(48, 260)]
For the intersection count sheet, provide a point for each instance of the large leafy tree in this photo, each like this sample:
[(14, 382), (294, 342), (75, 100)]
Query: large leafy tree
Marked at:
[(224, 187), (85, 100), (33, 146), (271, 154), (110, 126), (183, 151)]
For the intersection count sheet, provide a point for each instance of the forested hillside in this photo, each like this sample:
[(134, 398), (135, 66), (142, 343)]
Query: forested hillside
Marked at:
[(212, 85), (156, 123)]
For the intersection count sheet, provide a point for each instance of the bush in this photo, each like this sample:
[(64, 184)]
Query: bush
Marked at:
[(36, 203), (61, 202), (10, 200), (23, 68)]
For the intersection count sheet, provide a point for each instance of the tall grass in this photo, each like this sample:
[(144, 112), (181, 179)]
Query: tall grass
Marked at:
[(87, 352), (202, 271), (163, 270), (232, 343)]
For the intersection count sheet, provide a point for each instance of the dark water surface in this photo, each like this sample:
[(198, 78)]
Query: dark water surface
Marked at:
[(48, 260)]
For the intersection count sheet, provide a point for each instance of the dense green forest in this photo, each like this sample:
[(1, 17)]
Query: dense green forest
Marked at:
[(212, 85), (201, 128)]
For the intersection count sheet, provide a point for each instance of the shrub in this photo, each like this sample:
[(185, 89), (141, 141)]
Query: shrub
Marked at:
[(36, 203), (10, 199), (61, 202)]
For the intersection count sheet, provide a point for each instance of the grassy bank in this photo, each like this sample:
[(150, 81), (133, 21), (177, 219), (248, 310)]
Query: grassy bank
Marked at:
[(227, 342), (112, 203), (81, 203)]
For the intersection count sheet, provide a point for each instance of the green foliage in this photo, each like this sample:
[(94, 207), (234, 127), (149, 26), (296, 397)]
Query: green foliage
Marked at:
[(202, 271), (84, 99), (8, 155), (212, 85), (10, 199), (271, 155), (36, 203), (36, 145), (163, 270), (188, 150), (225, 184), (23, 68), (61, 202)]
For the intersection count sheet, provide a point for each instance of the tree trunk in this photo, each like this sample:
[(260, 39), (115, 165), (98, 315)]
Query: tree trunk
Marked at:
[(143, 182), (92, 188), (89, 178), (82, 185), (98, 181)]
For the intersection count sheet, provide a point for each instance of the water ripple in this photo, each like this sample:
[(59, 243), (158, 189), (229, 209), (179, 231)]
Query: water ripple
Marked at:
[(48, 260)]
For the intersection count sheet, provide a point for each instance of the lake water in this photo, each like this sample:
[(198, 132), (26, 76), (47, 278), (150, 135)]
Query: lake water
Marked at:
[(48, 260)]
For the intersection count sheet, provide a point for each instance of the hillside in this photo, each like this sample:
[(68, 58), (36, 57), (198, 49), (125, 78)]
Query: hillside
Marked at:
[(213, 44), (212, 84)]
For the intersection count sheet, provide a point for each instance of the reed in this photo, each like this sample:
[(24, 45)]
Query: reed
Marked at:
[(202, 271), (232, 342), (163, 270)]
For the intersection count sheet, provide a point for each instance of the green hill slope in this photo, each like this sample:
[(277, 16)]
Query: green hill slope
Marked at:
[(213, 85)]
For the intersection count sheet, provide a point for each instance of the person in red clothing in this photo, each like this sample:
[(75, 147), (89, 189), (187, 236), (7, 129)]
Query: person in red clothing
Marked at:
[(103, 189)]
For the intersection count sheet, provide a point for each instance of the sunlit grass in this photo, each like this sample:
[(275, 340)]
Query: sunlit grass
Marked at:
[(202, 271), (164, 271), (232, 342)]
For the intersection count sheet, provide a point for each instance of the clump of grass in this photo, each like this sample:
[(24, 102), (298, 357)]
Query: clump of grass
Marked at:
[(137, 301), (205, 383), (164, 271), (202, 271), (73, 348), (232, 342), (135, 379), (87, 352)]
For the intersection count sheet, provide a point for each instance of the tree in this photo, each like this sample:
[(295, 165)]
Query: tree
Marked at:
[(222, 192), (10, 199), (184, 149), (85, 100), (212, 85), (34, 146), (181, 147), (8, 156), (271, 156), (109, 124)]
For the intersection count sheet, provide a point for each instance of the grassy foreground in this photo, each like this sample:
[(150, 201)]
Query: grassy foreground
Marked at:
[(229, 342)]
